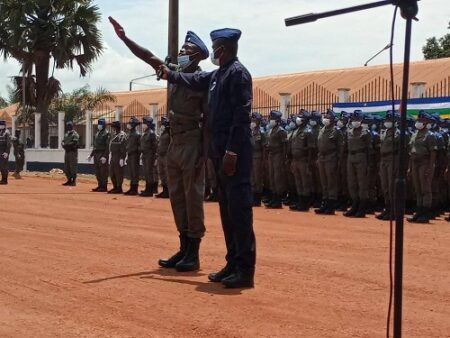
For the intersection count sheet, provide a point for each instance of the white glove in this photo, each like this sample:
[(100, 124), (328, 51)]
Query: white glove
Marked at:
[(5, 155), (89, 158), (155, 163), (121, 162), (109, 161), (103, 160), (141, 162), (126, 160)]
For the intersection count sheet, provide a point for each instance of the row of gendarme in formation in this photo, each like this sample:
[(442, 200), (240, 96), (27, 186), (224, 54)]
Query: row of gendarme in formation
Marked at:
[(310, 90)]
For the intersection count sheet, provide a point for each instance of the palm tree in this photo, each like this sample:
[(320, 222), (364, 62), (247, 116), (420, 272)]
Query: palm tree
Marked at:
[(44, 35)]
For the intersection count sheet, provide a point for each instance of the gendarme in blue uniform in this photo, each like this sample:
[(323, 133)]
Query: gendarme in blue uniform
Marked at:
[(229, 103)]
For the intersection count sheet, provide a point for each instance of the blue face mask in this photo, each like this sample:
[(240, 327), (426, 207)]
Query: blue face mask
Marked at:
[(185, 60)]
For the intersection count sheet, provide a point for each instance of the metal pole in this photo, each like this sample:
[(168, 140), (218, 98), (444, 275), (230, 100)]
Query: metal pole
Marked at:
[(400, 190), (173, 37)]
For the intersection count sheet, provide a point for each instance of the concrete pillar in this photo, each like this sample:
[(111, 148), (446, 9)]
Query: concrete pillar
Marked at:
[(61, 116), (343, 95), (13, 125), (37, 130), (119, 113), (418, 89), (88, 136), (153, 110), (285, 98)]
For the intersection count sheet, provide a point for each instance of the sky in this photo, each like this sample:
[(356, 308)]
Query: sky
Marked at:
[(267, 46)]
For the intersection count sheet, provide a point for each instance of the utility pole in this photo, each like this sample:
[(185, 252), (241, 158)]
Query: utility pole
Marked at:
[(173, 37)]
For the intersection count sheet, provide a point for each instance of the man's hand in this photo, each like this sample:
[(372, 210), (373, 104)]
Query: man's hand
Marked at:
[(163, 72), (121, 162), (229, 163), (89, 158), (103, 160), (117, 27), (5, 155)]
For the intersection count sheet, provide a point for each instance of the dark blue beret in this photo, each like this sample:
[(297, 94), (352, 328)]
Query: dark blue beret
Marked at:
[(134, 120), (226, 33), (315, 115), (275, 115), (116, 124), (69, 123), (256, 116), (436, 117), (344, 115), (357, 114), (164, 121), (193, 38), (148, 120), (101, 121)]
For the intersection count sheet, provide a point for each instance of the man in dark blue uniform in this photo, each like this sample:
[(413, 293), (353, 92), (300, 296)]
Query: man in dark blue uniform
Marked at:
[(230, 100)]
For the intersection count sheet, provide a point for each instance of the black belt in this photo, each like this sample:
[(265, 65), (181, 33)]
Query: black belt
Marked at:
[(354, 152)]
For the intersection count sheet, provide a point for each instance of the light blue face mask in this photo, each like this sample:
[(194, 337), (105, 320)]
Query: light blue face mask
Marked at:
[(185, 60)]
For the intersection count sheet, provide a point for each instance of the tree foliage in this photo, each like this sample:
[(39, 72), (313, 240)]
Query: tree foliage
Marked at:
[(437, 48), (44, 35)]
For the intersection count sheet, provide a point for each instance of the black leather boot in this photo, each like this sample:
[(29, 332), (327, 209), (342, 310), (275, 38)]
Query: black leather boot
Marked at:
[(275, 203), (164, 193), (217, 277), (133, 190), (322, 208), (416, 215), (362, 209), (4, 180), (102, 188), (68, 182), (148, 191), (353, 210), (172, 261), (331, 207), (190, 261), (239, 280)]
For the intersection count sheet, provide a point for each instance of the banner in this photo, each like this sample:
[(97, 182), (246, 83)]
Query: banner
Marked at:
[(439, 105)]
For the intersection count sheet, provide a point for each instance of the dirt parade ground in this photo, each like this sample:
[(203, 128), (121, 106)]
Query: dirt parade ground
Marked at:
[(80, 264)]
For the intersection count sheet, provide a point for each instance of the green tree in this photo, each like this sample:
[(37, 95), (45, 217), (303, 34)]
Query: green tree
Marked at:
[(76, 103), (44, 35), (3, 103), (437, 48)]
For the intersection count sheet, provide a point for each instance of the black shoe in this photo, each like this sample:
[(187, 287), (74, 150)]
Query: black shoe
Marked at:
[(275, 203), (191, 261), (148, 191), (69, 181), (102, 189), (238, 280), (164, 193), (116, 191), (323, 207), (133, 191), (217, 277), (362, 209), (95, 189), (330, 210), (416, 215), (304, 203), (353, 210), (4, 181), (72, 183), (155, 187), (256, 200), (172, 261)]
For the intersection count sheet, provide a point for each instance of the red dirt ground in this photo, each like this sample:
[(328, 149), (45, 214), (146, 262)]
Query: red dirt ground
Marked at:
[(80, 264)]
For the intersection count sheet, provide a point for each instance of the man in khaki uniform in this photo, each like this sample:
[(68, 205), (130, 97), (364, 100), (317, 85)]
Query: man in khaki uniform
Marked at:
[(5, 148), (19, 154), (316, 187), (100, 153), (133, 155), (359, 142), (302, 148), (389, 147), (148, 147), (330, 146), (423, 148), (70, 144), (291, 197), (344, 196), (163, 147), (118, 150), (258, 140), (277, 138)]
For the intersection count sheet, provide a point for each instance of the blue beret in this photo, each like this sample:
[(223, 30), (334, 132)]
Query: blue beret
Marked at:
[(193, 38), (344, 115), (69, 123), (2, 123), (256, 116), (358, 114), (226, 33), (134, 120), (116, 124), (436, 117), (148, 120), (164, 121), (275, 115), (101, 121), (315, 115)]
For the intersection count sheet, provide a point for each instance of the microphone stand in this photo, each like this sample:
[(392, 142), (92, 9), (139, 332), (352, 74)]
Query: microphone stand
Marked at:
[(409, 10)]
